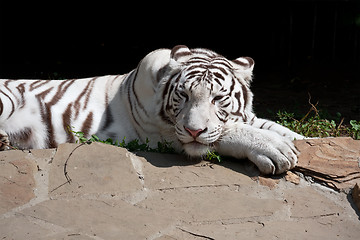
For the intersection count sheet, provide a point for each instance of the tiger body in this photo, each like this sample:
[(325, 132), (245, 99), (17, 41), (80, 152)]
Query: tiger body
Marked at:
[(196, 99)]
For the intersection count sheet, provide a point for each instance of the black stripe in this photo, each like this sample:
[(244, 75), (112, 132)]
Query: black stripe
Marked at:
[(243, 64), (45, 114), (262, 125), (222, 61), (199, 66), (220, 117), (87, 124), (245, 95), (168, 105), (182, 95), (135, 94), (232, 85), (66, 118), (38, 84), (194, 72), (109, 118), (164, 117), (252, 120), (205, 52), (225, 105), (223, 70), (218, 75), (133, 104), (86, 91), (167, 85), (10, 91), (198, 59), (217, 81), (238, 111), (61, 89), (12, 104), (195, 83), (176, 53), (1, 107), (166, 98), (21, 90)]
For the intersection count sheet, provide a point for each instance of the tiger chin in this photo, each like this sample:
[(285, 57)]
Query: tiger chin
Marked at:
[(196, 150), (195, 98)]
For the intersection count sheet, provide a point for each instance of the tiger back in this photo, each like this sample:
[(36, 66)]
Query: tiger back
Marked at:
[(41, 113)]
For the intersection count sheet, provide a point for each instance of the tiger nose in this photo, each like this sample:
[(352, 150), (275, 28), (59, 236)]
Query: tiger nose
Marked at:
[(195, 133)]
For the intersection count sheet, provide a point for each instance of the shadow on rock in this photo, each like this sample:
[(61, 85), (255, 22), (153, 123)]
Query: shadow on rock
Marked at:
[(242, 166)]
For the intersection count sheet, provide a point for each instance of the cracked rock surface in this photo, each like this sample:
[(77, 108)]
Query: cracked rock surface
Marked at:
[(100, 192)]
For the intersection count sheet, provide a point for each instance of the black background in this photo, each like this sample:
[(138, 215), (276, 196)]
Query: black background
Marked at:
[(305, 44)]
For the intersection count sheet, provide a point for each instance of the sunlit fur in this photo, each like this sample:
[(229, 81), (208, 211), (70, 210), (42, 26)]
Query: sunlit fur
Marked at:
[(194, 98)]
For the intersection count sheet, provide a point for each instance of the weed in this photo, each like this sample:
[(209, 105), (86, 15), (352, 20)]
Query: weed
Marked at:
[(313, 125), (212, 156), (134, 145), (355, 129)]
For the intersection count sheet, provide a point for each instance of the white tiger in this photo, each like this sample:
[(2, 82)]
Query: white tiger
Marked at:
[(196, 99)]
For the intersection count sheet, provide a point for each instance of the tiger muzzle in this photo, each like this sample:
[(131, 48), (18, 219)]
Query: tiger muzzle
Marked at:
[(195, 133)]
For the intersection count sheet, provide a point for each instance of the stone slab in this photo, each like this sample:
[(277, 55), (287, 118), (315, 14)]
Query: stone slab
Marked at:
[(100, 218), (17, 181), (114, 194), (19, 171), (92, 169), (334, 162)]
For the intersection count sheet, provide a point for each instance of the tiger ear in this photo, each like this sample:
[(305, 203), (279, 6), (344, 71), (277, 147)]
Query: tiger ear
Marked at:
[(180, 53), (244, 66), (244, 63)]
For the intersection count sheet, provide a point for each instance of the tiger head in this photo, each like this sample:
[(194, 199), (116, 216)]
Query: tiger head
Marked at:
[(204, 94)]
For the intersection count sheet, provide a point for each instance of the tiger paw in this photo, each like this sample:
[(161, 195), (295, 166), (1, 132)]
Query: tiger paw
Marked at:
[(276, 157), (4, 140)]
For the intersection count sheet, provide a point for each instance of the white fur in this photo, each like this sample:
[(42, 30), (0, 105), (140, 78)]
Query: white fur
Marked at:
[(131, 105)]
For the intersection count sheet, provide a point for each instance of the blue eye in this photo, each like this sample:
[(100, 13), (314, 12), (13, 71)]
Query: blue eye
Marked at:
[(215, 99)]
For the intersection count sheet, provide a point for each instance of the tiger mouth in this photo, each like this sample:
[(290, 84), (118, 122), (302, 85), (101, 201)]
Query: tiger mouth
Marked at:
[(195, 144), (196, 149)]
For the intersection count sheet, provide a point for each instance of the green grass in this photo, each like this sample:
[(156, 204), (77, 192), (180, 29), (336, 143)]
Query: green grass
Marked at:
[(355, 129), (134, 145), (212, 156), (313, 125)]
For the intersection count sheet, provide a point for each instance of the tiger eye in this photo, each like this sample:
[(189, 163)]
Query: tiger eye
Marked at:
[(217, 98)]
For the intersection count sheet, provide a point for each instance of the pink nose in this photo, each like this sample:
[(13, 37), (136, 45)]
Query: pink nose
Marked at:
[(195, 133)]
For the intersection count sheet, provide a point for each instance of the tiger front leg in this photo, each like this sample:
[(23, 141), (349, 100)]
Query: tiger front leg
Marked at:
[(4, 140), (275, 127), (269, 151)]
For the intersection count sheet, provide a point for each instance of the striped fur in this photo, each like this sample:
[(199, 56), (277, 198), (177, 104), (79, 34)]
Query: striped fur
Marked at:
[(197, 99)]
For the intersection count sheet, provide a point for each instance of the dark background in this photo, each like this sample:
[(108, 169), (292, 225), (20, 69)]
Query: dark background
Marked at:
[(300, 48)]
